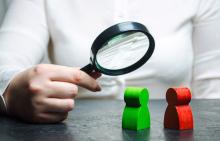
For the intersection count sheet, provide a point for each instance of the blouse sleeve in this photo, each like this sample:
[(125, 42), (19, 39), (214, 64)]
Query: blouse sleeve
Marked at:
[(2, 10), (206, 42), (23, 38)]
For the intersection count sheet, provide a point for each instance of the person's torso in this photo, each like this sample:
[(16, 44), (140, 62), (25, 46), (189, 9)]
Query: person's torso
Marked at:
[(74, 24)]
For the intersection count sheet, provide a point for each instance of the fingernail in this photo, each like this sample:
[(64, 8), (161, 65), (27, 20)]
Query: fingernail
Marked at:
[(98, 88)]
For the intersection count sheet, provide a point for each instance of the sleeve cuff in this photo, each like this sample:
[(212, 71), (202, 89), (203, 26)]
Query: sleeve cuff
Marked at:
[(6, 75), (3, 107)]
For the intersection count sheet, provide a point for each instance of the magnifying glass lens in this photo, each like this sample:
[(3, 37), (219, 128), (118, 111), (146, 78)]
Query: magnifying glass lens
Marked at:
[(123, 50)]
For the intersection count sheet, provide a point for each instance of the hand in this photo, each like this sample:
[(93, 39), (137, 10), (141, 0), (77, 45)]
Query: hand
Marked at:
[(45, 93)]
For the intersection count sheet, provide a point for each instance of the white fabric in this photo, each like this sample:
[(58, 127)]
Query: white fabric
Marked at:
[(187, 35)]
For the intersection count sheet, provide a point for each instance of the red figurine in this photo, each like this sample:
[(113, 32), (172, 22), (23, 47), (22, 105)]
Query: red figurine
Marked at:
[(178, 114)]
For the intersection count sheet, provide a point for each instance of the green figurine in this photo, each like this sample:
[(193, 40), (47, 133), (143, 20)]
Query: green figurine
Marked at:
[(136, 115)]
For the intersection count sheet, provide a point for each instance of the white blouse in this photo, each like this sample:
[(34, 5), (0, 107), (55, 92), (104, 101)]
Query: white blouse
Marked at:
[(186, 32)]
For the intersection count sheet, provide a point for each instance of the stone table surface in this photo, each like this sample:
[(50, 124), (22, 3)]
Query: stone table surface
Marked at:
[(100, 120)]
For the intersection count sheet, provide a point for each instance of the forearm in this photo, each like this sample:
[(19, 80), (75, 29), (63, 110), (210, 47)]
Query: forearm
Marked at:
[(23, 39)]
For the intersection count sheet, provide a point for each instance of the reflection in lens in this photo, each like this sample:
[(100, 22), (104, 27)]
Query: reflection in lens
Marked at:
[(123, 50)]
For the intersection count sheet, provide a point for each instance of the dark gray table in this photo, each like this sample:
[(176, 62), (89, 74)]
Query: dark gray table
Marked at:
[(100, 120)]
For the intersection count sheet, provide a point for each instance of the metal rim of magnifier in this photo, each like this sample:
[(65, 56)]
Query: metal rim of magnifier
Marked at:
[(117, 30)]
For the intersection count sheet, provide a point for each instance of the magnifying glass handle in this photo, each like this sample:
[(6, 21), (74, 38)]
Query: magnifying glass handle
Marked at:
[(88, 69)]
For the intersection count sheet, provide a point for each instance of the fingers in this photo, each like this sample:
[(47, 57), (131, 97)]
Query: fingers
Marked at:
[(75, 76), (63, 90), (54, 110), (58, 105), (84, 80), (50, 117)]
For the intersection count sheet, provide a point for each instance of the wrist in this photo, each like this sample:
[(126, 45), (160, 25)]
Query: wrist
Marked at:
[(3, 106)]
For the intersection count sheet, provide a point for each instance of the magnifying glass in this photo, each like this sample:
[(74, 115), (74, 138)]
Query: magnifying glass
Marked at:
[(120, 49)]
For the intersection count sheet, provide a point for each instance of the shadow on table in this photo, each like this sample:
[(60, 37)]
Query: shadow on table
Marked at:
[(142, 135), (12, 130), (176, 135)]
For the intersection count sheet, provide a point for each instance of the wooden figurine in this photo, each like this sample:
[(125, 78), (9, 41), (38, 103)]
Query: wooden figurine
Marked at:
[(136, 115), (178, 114)]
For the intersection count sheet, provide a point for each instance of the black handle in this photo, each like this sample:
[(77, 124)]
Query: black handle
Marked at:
[(88, 68)]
